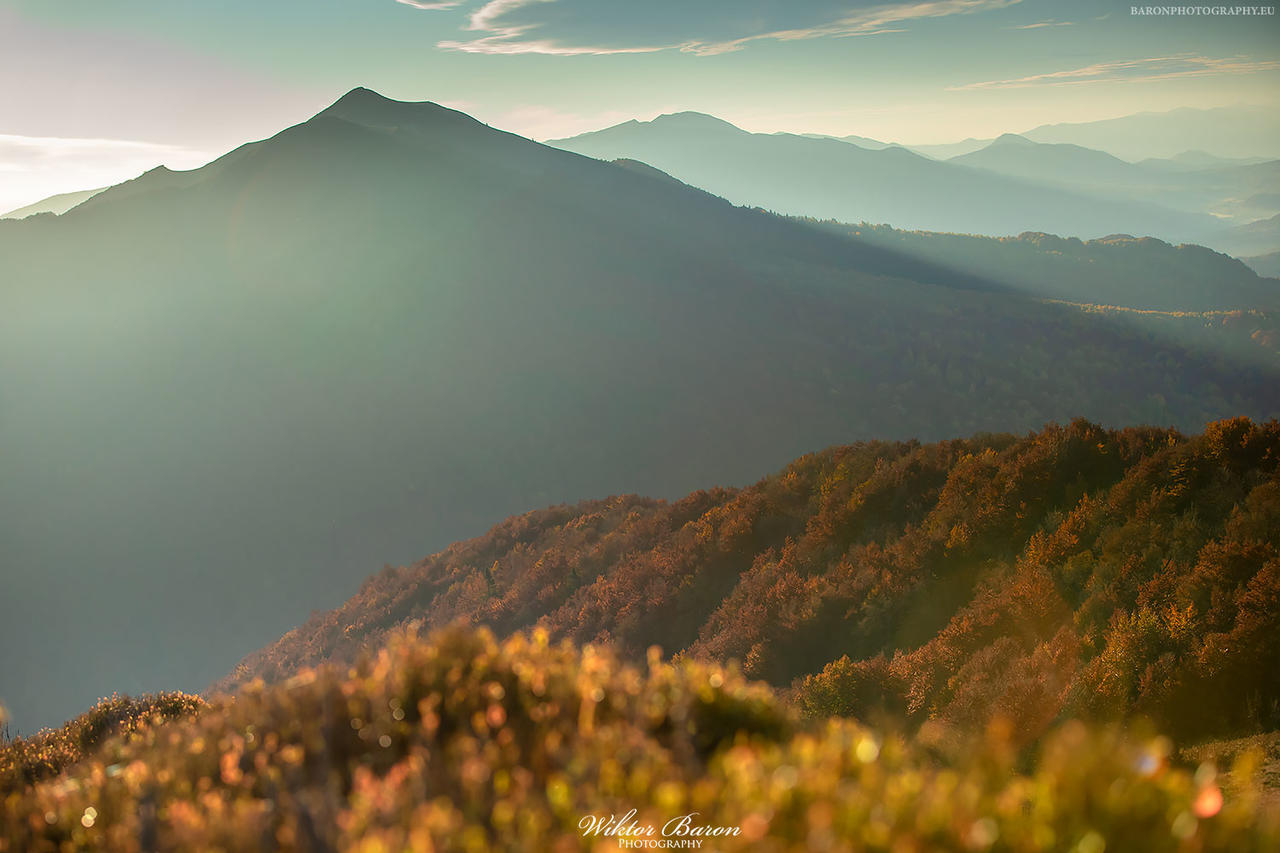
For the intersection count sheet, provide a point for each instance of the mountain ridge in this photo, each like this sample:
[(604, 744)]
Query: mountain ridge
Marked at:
[(1232, 131), (829, 179), (55, 204)]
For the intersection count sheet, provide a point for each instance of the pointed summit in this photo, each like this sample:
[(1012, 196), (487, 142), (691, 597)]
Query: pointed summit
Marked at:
[(359, 98), (369, 108), (1010, 139), (694, 121)]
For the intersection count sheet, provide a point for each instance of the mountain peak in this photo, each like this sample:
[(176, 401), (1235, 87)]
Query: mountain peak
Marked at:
[(694, 120), (369, 108), (1011, 139), (364, 102), (362, 93)]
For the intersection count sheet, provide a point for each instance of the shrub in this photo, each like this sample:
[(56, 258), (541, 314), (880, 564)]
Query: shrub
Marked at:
[(460, 743)]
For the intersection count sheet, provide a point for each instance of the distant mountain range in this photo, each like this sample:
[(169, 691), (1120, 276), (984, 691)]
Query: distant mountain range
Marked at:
[(864, 142), (227, 391), (1268, 265), (1016, 155), (1255, 238), (1225, 132), (947, 150), (1193, 160), (1039, 189), (1189, 137), (55, 204), (1240, 192)]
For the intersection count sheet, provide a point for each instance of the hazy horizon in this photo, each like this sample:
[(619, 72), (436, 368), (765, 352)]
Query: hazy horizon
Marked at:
[(92, 110)]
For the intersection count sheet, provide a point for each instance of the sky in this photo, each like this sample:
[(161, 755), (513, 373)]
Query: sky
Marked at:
[(95, 93)]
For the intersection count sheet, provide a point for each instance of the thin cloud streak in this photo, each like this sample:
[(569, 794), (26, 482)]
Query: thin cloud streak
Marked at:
[(496, 37), (1041, 24), (876, 21), (430, 5), (502, 45), (508, 40), (1132, 71)]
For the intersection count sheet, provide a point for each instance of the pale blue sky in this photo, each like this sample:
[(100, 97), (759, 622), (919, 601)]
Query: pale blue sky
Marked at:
[(182, 81)]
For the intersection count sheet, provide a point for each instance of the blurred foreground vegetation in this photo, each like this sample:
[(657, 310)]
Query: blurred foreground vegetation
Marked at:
[(462, 743)]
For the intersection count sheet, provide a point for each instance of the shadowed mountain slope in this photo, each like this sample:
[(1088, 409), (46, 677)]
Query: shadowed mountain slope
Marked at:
[(1133, 272), (225, 392)]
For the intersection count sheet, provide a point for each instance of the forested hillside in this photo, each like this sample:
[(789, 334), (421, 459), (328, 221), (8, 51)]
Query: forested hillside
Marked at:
[(1121, 270), (1078, 572), (1186, 293)]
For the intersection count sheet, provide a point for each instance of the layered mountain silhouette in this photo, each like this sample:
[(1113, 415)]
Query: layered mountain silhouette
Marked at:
[(1267, 265), (1192, 160), (865, 142), (225, 393), (1186, 138), (1016, 155), (1242, 191), (54, 204), (832, 179), (1259, 237), (948, 150), (1225, 132)]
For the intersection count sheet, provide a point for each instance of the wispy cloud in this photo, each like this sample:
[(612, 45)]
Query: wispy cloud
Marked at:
[(706, 28), (1134, 71), (510, 38), (432, 4), (509, 42), (874, 21), (1041, 24)]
